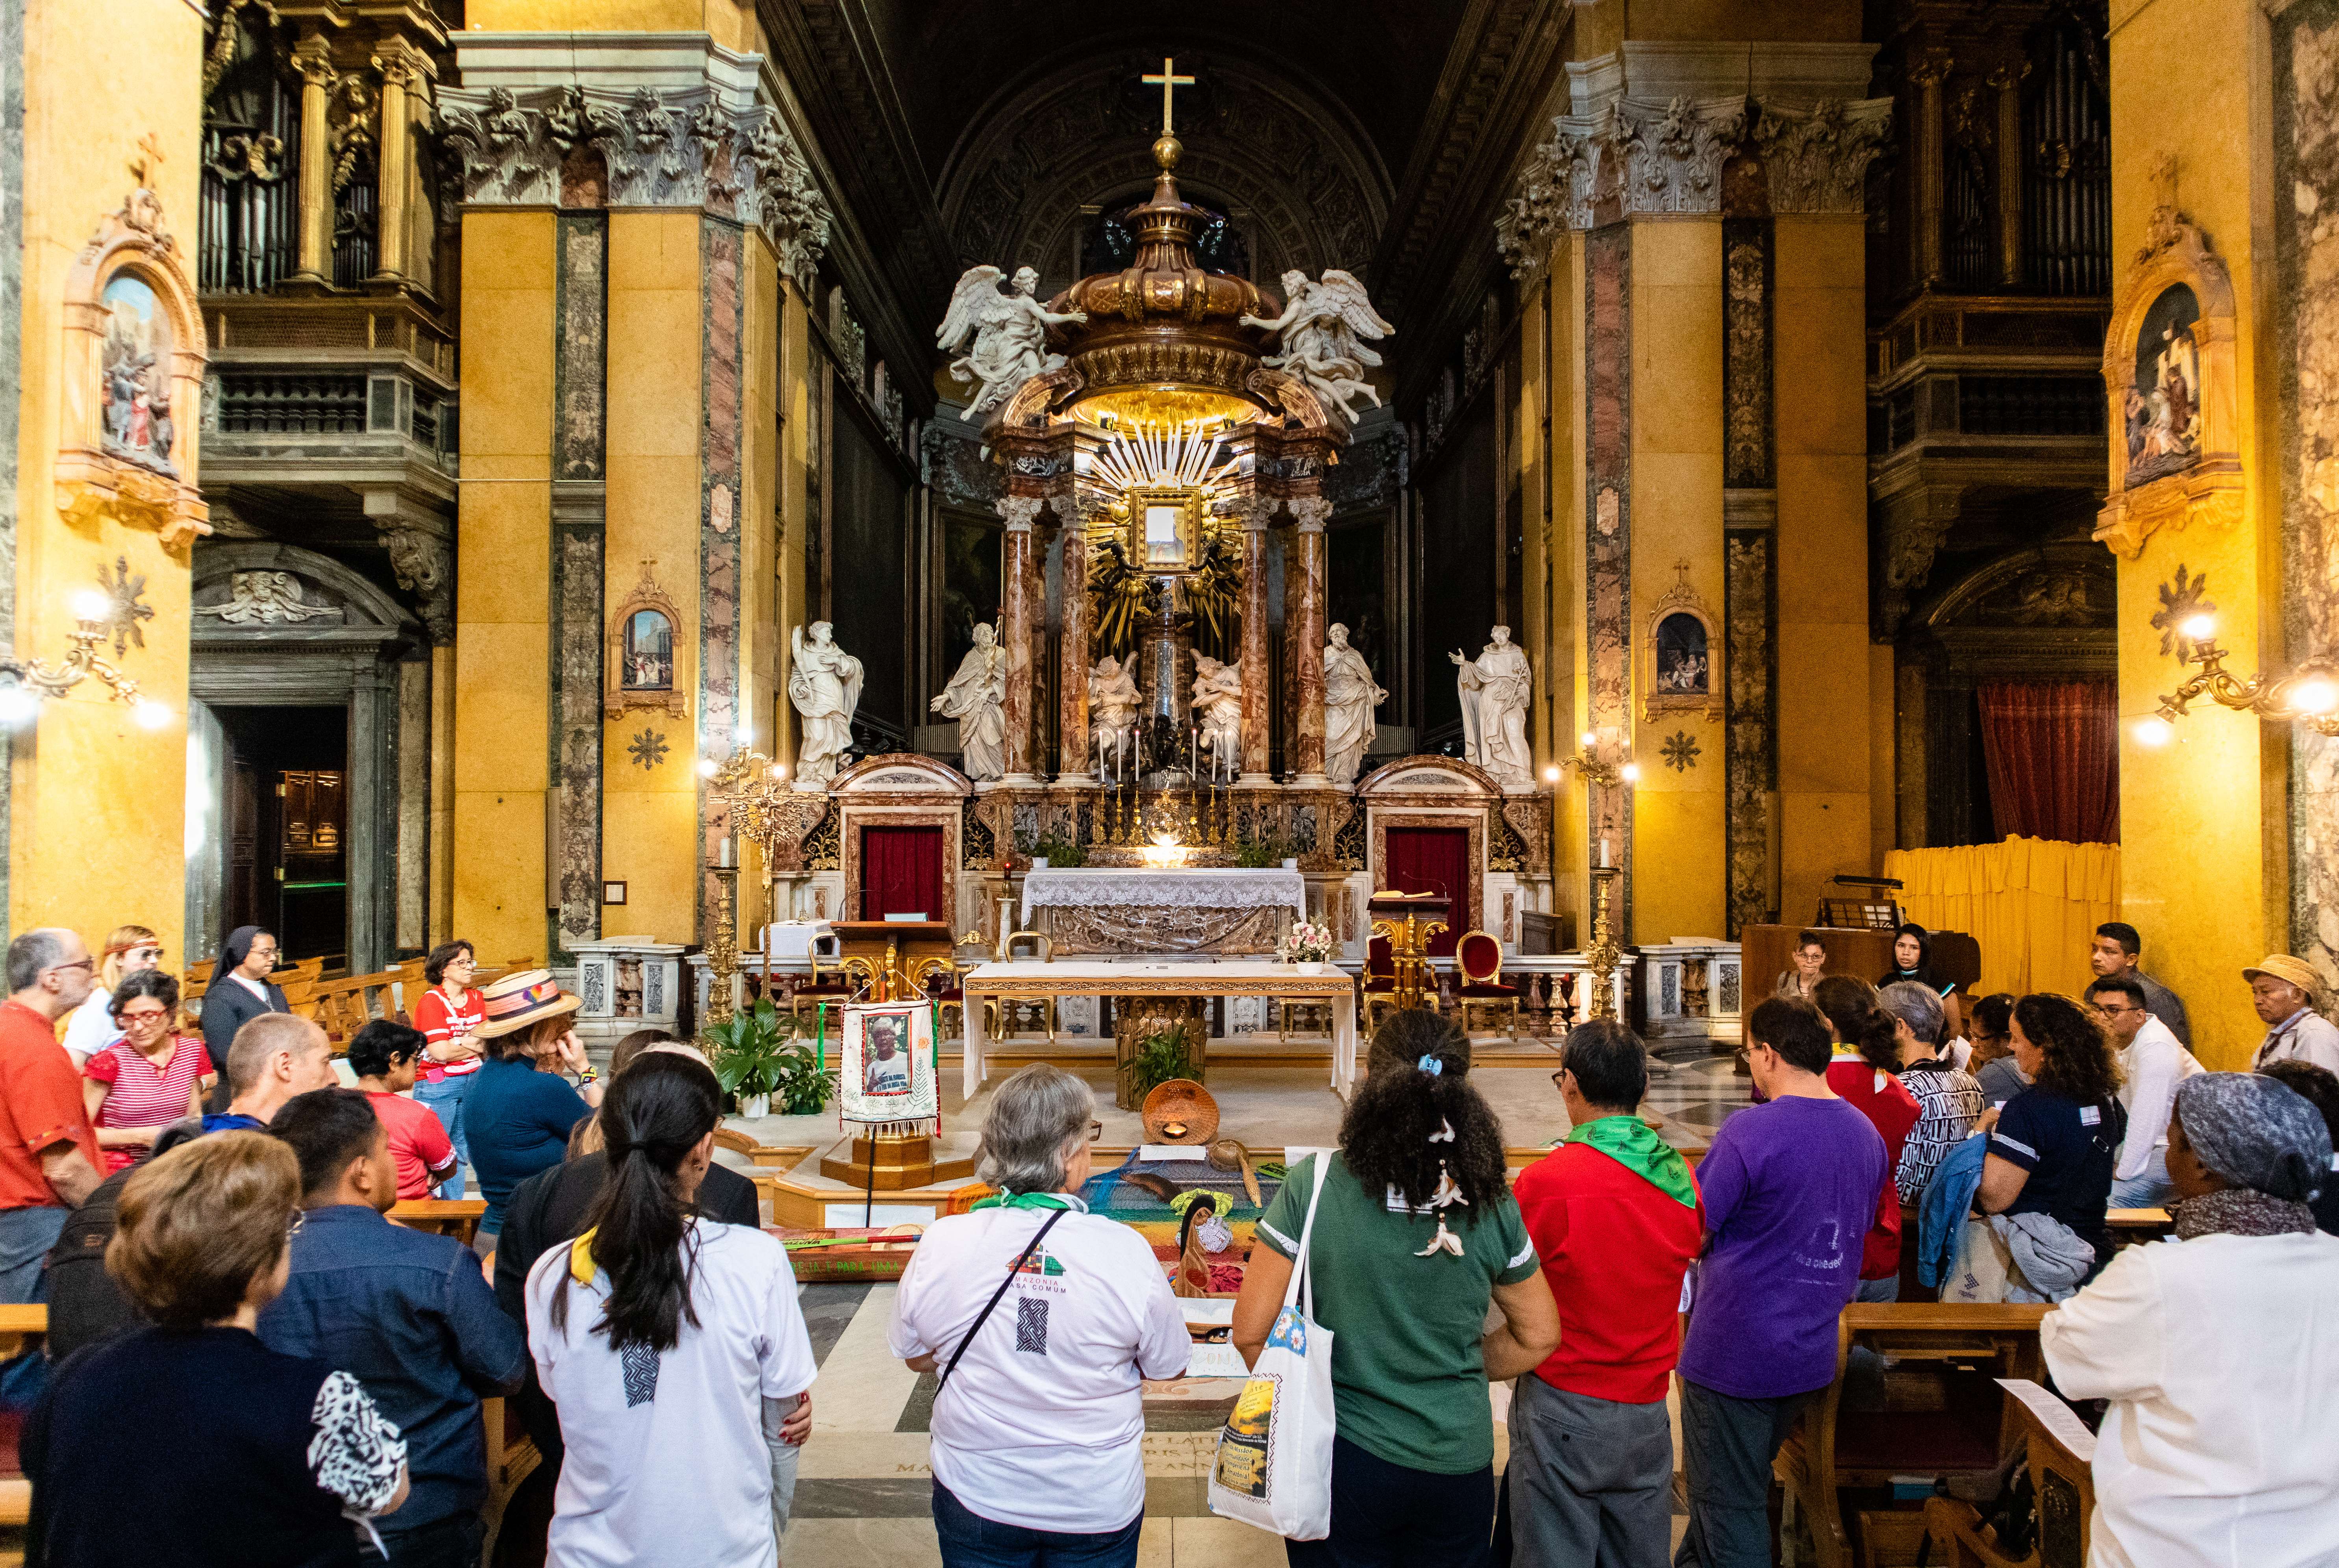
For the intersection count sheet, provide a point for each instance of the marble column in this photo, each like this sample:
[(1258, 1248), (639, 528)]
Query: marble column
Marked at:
[(1255, 514), (1307, 586), (1072, 662), (314, 252), (402, 66), (1017, 613)]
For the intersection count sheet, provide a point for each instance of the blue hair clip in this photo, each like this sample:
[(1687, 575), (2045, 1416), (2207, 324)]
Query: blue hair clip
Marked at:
[(1432, 1066)]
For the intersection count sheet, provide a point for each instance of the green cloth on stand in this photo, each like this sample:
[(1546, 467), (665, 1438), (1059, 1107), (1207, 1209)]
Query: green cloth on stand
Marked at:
[(1635, 1145)]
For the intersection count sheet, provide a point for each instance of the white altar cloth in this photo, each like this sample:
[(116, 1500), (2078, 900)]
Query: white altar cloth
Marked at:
[(1324, 982), (1170, 887)]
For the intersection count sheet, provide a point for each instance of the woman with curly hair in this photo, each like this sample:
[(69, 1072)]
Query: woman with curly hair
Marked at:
[(1414, 1233), (1864, 1070), (2052, 1154)]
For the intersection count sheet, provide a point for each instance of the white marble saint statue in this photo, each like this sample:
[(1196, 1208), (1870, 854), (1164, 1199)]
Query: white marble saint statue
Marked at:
[(976, 697), (1008, 332), (1350, 696), (824, 683), (1495, 689), (1322, 326), (1113, 702), (1217, 711)]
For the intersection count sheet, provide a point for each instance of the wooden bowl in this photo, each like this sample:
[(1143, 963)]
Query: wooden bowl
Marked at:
[(1179, 1111)]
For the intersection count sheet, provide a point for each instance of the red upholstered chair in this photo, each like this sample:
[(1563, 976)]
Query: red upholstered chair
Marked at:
[(1380, 981), (1478, 958)]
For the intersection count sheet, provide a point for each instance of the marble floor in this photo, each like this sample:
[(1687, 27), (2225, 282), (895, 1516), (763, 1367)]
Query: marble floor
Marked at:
[(863, 1494)]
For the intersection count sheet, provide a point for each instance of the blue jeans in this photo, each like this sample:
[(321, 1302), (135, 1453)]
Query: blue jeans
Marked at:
[(970, 1541), (445, 1098), (1388, 1515), (2148, 1188), (25, 1237)]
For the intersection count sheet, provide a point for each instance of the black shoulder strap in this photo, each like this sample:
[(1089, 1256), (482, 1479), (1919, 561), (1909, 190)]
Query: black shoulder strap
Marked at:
[(1013, 1271)]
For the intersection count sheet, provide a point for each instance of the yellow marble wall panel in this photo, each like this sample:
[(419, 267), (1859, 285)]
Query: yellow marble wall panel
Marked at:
[(503, 604), (639, 830), (1680, 831), (97, 802), (1827, 781), (730, 24), (2204, 820)]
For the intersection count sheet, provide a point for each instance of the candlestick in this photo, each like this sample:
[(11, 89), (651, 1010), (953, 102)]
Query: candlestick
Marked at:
[(726, 859)]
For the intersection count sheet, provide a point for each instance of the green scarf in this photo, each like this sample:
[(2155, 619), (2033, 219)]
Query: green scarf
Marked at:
[(1635, 1145), (1029, 1201)]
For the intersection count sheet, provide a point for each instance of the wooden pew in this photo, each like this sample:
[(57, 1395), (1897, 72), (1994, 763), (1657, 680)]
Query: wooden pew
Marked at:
[(1945, 1415), (344, 1006), (2061, 1454), (511, 1455), (455, 1216), (17, 1324)]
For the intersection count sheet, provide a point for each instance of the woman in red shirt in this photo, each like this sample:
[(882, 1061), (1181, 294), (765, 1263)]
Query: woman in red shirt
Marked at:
[(1866, 1071), (447, 1014), (150, 1077), (385, 1055)]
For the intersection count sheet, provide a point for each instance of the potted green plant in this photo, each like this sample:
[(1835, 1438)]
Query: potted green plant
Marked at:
[(760, 1054), (1158, 1058), (1061, 851), (1256, 853)]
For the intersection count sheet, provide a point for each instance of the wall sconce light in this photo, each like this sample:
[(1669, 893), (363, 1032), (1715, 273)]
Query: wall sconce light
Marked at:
[(23, 682), (2308, 694), (1606, 765)]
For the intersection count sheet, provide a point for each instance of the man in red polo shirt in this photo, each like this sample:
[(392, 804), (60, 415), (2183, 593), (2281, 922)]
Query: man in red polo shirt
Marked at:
[(48, 1155), (1614, 1213)]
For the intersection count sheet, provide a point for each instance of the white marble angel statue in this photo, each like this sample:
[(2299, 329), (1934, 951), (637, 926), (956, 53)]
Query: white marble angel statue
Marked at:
[(1322, 323), (1113, 702), (1494, 687), (1218, 711), (824, 683), (976, 697), (1350, 695), (1009, 332)]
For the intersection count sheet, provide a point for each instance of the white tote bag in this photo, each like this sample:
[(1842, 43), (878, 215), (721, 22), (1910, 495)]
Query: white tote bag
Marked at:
[(1274, 1462)]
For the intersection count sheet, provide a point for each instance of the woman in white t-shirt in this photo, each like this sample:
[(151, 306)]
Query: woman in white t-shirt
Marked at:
[(672, 1345), (1038, 1427)]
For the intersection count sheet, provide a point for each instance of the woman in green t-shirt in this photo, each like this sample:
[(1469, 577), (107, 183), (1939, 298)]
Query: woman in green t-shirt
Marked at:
[(1415, 1234)]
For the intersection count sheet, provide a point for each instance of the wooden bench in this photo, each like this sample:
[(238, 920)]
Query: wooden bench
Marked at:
[(1944, 1413), (2061, 1455), (17, 1324), (455, 1216)]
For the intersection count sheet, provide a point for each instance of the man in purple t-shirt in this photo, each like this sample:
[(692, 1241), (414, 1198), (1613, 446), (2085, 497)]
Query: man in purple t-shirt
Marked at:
[(1790, 1188)]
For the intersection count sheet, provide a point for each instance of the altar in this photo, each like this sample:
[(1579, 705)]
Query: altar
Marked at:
[(1182, 910)]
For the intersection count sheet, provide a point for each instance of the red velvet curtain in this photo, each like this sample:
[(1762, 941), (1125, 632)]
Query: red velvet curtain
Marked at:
[(901, 872), (2053, 752), (1433, 860)]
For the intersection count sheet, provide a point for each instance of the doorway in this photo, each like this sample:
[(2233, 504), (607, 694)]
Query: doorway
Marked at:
[(287, 826)]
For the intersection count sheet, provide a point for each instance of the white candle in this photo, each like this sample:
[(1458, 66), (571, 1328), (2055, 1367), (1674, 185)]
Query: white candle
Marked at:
[(726, 859), (1604, 853)]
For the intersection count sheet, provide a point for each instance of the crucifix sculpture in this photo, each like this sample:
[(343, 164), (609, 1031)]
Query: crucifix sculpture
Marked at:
[(1169, 81)]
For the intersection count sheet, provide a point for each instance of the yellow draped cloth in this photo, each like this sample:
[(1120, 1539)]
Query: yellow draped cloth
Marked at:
[(2032, 903)]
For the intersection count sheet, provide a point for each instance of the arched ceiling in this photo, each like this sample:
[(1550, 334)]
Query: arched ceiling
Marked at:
[(1301, 178), (1370, 134)]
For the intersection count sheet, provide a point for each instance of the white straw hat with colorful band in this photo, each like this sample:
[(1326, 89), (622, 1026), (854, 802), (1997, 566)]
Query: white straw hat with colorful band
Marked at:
[(516, 1001)]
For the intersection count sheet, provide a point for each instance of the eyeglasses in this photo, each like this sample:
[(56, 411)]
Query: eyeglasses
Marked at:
[(1556, 1078), (78, 964), (300, 1218), (154, 954), (137, 1018), (1096, 1130), (2116, 1011)]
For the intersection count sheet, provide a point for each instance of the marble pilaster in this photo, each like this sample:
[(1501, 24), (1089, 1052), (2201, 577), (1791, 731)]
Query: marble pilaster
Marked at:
[(1255, 515), (1072, 662), (1017, 613), (1305, 586)]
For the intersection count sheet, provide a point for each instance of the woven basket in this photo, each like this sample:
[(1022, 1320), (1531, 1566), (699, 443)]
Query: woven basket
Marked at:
[(1184, 1105)]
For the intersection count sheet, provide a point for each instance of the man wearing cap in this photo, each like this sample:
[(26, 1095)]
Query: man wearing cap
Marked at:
[(2287, 993), (2117, 953), (2215, 1350)]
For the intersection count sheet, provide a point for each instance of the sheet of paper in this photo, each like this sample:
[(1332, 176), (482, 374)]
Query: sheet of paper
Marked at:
[(1154, 1152), (1217, 1361), (1207, 1311), (2054, 1415)]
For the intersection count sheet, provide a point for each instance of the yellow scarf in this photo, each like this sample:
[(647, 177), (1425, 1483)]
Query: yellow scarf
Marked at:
[(581, 1268)]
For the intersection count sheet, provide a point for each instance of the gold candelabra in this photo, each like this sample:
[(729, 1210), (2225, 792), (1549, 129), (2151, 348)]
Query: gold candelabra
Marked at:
[(2308, 694), (722, 949), (1603, 954)]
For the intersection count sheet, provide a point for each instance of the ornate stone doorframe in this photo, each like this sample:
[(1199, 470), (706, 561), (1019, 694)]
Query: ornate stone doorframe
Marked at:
[(280, 626)]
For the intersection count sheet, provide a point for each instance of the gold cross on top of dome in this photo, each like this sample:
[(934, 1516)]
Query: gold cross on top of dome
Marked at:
[(1169, 81)]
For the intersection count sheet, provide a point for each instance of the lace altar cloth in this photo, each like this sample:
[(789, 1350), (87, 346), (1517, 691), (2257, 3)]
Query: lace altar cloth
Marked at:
[(1199, 910)]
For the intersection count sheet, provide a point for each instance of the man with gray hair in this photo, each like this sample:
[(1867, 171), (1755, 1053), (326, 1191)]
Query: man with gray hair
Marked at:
[(1949, 1100), (48, 1154), (275, 1057), (1043, 1320)]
